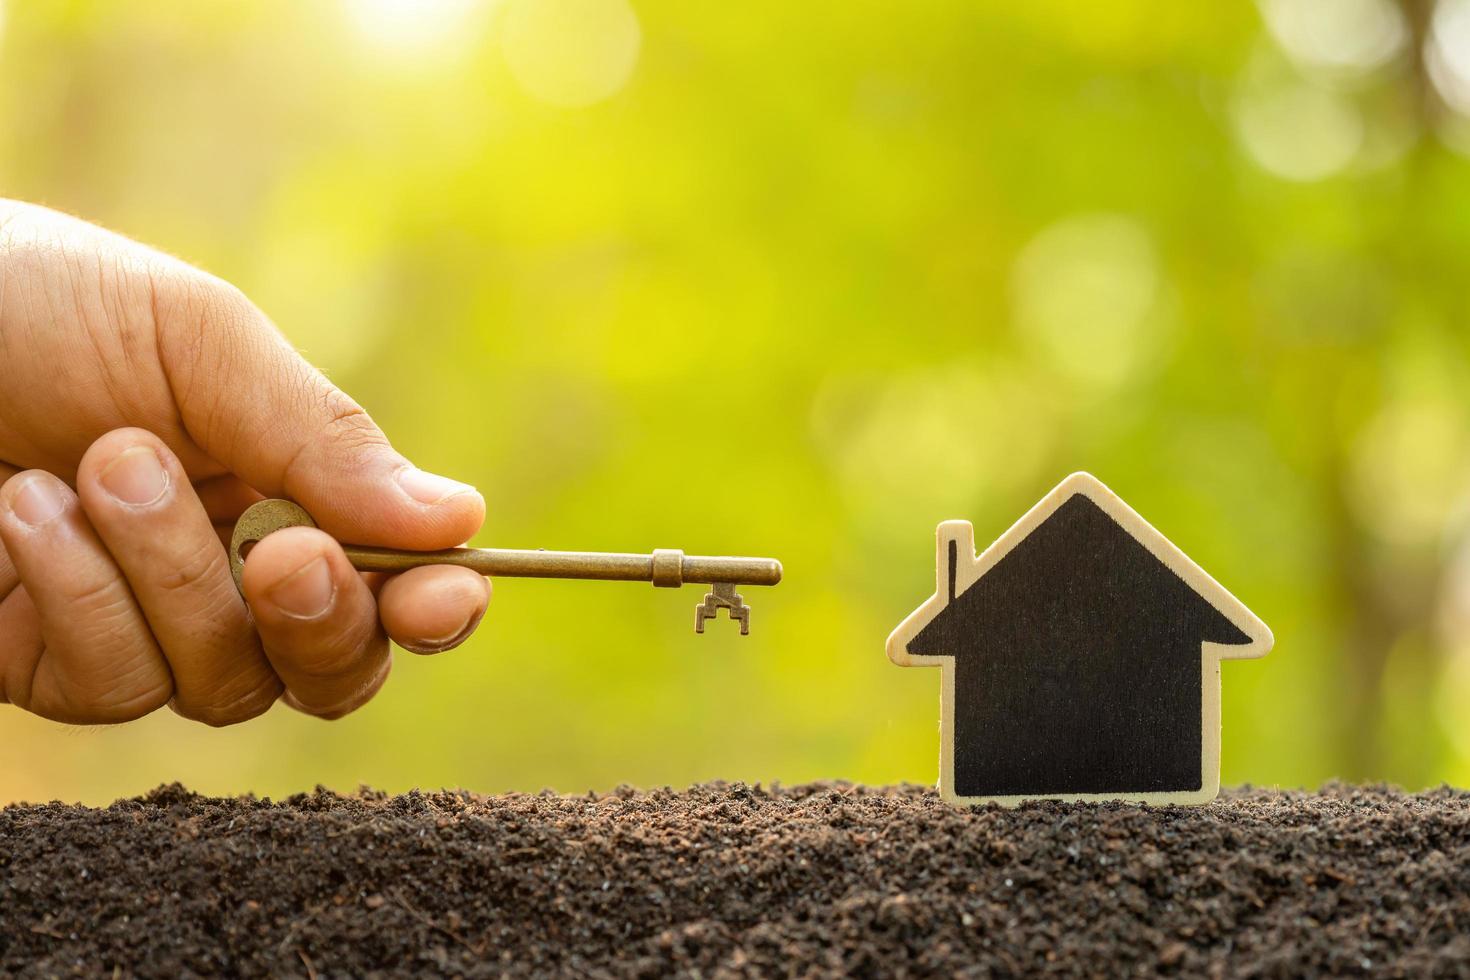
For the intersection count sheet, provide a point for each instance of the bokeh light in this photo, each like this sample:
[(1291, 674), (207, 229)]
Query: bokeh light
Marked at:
[(570, 52), (1412, 470), (1447, 53), (1300, 131), (1087, 294), (1342, 37)]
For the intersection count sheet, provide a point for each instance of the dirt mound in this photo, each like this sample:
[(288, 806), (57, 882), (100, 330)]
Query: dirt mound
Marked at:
[(827, 879)]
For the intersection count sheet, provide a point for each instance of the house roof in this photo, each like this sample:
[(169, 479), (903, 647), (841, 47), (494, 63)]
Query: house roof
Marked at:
[(1079, 561)]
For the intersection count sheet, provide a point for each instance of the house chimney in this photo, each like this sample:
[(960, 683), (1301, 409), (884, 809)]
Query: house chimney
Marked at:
[(955, 555)]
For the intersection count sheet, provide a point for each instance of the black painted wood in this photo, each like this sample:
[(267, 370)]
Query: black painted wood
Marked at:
[(1077, 665)]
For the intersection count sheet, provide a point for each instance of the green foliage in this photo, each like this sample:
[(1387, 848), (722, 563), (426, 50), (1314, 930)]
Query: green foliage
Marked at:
[(848, 270)]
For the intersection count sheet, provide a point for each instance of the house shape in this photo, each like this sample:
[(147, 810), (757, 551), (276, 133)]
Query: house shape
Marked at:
[(1080, 657)]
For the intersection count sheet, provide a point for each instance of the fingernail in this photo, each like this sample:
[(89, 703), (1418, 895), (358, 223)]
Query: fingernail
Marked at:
[(135, 476), (429, 488), (38, 500), (439, 644), (307, 592)]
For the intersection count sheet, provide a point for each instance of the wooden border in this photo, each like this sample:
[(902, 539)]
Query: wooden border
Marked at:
[(967, 572)]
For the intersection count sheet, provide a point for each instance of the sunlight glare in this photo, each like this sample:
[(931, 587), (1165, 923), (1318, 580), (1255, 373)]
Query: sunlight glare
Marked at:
[(414, 29)]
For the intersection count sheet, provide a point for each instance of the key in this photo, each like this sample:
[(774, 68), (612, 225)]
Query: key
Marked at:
[(666, 568)]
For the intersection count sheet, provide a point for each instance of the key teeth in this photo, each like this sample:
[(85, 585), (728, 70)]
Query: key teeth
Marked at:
[(722, 596)]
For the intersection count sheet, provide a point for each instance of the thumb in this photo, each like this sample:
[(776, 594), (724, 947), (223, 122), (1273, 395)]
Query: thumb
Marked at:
[(255, 405)]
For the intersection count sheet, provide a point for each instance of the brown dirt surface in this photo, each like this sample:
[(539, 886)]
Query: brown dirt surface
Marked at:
[(733, 880)]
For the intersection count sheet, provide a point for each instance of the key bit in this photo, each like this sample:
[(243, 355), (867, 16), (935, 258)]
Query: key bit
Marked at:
[(722, 596), (666, 568)]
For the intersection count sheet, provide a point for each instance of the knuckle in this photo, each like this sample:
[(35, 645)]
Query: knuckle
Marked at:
[(348, 423), (105, 668), (200, 300), (346, 426), (104, 604), (219, 709), (346, 419), (137, 705), (234, 682), (200, 570), (335, 657), (330, 702), (138, 687)]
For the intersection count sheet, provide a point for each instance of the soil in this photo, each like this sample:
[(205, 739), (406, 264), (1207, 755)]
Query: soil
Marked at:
[(736, 880)]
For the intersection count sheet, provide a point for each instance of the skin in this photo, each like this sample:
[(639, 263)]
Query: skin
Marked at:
[(143, 405)]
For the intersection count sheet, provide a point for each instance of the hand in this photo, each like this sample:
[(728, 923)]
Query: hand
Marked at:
[(143, 406)]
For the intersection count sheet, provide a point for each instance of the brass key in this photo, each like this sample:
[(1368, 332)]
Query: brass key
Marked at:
[(666, 568)]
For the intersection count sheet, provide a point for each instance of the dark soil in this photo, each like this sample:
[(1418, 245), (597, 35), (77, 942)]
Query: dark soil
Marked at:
[(727, 880)]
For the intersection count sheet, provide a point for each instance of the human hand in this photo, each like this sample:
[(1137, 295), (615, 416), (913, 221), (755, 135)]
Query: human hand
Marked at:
[(143, 405)]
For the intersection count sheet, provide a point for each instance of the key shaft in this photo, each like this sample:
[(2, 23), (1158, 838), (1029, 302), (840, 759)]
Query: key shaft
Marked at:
[(666, 568)]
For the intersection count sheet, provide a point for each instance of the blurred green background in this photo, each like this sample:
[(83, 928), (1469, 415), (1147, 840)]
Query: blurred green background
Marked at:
[(802, 280)]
